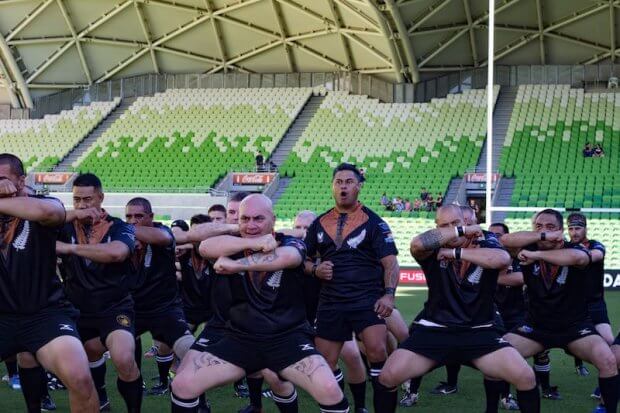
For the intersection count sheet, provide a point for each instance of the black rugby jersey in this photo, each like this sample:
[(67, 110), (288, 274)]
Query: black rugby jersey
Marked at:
[(556, 295), (358, 275), (158, 288), (596, 273), (268, 304), (96, 287), (28, 280), (510, 300), (196, 278), (460, 297)]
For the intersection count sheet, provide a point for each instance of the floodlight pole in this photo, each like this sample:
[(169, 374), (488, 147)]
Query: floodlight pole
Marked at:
[(490, 102)]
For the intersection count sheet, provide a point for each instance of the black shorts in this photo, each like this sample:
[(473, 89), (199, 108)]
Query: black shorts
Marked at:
[(254, 355), (453, 346), (33, 331), (166, 327), (195, 317), (120, 317), (207, 337), (598, 312), (556, 338), (339, 325), (616, 341)]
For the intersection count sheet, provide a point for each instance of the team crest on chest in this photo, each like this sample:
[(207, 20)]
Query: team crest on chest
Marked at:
[(320, 236), (148, 256), (22, 239), (536, 269), (562, 277), (475, 275), (355, 241), (275, 279)]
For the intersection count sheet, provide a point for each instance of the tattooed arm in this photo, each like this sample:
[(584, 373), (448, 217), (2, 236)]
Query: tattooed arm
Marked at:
[(424, 244), (391, 274), (278, 259)]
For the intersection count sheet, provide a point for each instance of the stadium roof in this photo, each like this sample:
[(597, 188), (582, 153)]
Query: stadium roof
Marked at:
[(47, 45)]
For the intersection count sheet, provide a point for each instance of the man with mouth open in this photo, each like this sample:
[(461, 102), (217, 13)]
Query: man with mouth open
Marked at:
[(359, 274)]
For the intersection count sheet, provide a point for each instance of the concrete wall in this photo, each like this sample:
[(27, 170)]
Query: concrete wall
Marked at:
[(178, 206)]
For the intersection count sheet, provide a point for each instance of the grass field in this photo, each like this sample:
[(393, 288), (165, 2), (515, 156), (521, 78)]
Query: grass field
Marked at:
[(470, 398)]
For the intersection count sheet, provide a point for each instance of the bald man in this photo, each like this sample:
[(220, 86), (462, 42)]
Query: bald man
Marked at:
[(267, 318), (461, 264)]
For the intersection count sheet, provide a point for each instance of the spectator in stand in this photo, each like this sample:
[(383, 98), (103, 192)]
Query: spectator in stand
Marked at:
[(384, 200), (398, 205), (424, 194), (587, 151), (260, 161), (439, 201), (407, 205), (430, 203), (598, 151), (474, 205), (417, 204)]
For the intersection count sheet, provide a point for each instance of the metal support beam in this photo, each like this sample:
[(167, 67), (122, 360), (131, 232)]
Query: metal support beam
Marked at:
[(189, 55), (78, 46), (58, 85), (9, 85), (369, 20), (472, 35), (405, 40), (216, 32), (343, 39), (147, 35), (541, 38), (15, 73), (30, 17), (612, 30), (440, 29), (509, 48), (283, 33), (574, 40), (588, 11), (92, 26), (247, 55), (387, 31), (368, 47), (430, 12)]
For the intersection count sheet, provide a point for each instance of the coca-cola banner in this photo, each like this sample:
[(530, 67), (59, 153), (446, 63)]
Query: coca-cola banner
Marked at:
[(52, 178), (253, 178), (480, 177)]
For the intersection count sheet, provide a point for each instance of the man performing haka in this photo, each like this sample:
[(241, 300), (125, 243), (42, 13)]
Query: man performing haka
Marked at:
[(157, 303), (461, 265), (95, 251), (267, 325), (36, 316), (556, 275), (359, 273)]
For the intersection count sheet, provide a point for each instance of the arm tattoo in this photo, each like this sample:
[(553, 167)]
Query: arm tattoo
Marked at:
[(259, 258), (392, 274), (309, 365), (207, 360), (431, 240)]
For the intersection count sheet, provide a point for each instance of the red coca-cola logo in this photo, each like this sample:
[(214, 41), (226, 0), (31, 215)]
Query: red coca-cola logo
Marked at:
[(252, 178)]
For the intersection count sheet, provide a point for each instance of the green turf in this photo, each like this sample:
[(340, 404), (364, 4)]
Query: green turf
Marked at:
[(470, 398)]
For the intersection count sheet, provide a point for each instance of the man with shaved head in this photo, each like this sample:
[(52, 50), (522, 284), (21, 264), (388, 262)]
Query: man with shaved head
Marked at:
[(461, 264), (267, 326)]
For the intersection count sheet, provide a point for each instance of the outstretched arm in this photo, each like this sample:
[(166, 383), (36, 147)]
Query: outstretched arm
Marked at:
[(279, 259), (202, 232), (153, 236), (427, 242), (227, 245), (521, 239), (111, 252), (489, 258), (563, 257), (47, 212)]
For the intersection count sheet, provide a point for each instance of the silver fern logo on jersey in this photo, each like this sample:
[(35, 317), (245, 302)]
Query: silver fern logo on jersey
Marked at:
[(22, 239), (356, 241), (275, 279)]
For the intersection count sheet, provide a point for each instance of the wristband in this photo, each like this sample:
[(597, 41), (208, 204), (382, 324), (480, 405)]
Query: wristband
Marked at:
[(314, 270), (457, 254), (543, 236), (390, 291)]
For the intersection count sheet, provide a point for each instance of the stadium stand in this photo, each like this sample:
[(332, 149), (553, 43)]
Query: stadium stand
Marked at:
[(402, 147), (550, 125), (185, 138), (42, 143)]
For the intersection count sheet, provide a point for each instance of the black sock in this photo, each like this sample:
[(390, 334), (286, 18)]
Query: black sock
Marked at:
[(202, 400), (529, 400), (339, 378), (180, 405), (385, 398), (163, 366), (492, 390), (505, 389), (131, 392), (414, 384), (11, 367), (609, 392), (578, 362), (542, 369), (286, 404), (43, 383), (358, 390), (30, 380), (255, 388), (453, 373), (98, 370), (342, 407), (138, 353)]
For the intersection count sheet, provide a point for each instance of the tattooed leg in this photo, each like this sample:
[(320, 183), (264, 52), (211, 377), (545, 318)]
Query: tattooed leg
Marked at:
[(314, 376), (201, 371)]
